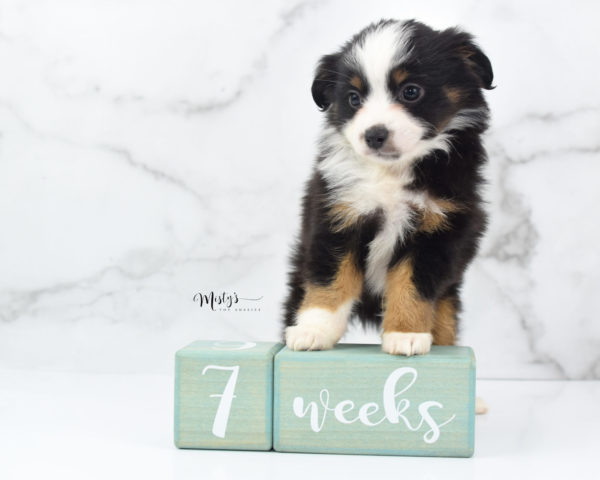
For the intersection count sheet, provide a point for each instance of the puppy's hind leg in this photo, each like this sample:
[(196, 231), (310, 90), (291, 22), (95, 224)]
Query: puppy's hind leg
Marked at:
[(444, 329)]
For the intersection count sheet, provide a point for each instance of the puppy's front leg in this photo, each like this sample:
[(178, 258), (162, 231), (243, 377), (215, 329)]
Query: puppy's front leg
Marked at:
[(408, 318), (323, 314)]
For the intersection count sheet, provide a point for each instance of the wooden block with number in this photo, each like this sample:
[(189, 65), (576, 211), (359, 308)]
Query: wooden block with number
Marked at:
[(224, 395), (357, 399)]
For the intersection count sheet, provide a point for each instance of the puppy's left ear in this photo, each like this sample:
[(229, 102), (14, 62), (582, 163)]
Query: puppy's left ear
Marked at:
[(476, 60)]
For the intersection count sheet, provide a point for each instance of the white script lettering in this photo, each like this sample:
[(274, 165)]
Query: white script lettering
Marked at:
[(394, 408), (222, 416)]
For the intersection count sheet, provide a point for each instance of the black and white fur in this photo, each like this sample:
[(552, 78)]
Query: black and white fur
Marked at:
[(432, 150)]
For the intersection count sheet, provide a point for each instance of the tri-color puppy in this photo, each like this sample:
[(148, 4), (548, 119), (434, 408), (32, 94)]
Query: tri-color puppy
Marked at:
[(392, 214)]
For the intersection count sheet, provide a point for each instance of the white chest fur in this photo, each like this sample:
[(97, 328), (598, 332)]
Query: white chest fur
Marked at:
[(366, 187)]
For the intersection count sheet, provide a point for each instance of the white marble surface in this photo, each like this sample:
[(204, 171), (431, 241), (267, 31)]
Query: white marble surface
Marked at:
[(73, 426), (150, 150)]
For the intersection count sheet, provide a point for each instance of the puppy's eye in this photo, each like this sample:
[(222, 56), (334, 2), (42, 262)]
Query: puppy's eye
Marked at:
[(354, 100), (412, 93)]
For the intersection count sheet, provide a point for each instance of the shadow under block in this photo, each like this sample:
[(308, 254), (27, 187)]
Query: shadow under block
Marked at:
[(224, 395), (357, 399)]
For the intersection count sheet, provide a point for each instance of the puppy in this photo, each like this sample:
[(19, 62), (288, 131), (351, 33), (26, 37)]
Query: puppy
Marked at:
[(392, 214)]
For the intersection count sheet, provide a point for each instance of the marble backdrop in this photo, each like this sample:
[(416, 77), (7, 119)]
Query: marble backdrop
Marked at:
[(151, 150)]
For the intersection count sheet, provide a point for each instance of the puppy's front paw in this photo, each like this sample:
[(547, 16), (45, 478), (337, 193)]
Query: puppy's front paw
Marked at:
[(303, 337), (400, 343), (316, 329)]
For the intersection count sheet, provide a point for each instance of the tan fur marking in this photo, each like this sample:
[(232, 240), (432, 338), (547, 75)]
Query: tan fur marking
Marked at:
[(342, 216), (453, 94), (405, 310), (434, 220), (443, 123), (346, 285), (356, 82), (465, 52), (399, 75), (444, 329)]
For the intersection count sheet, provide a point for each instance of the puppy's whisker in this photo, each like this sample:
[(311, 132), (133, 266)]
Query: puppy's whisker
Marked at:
[(334, 82), (349, 77)]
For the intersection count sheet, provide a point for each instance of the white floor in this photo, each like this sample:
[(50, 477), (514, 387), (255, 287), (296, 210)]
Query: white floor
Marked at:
[(76, 426)]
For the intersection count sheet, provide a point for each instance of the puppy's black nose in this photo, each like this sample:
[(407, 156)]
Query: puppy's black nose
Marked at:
[(376, 136)]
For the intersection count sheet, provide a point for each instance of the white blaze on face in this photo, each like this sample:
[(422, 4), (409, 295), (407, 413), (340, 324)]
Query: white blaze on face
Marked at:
[(382, 50)]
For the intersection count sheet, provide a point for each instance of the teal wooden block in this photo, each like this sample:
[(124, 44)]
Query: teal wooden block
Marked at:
[(356, 399), (224, 395)]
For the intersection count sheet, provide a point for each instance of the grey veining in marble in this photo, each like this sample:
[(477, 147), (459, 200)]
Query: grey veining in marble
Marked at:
[(152, 150)]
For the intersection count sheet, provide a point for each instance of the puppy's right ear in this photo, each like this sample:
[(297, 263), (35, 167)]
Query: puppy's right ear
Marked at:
[(324, 82)]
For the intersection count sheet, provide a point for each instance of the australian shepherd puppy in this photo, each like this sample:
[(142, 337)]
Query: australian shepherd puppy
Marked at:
[(392, 214)]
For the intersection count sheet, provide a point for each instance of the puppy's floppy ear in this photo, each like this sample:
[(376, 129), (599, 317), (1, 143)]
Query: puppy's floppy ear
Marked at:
[(324, 82), (474, 58), (480, 64)]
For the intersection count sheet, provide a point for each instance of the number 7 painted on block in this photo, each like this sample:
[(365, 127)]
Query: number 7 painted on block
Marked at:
[(222, 416)]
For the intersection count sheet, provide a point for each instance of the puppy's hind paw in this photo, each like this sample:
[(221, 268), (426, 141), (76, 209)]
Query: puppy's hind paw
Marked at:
[(481, 407)]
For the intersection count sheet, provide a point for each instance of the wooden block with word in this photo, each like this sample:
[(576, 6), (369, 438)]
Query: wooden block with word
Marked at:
[(224, 395), (357, 399)]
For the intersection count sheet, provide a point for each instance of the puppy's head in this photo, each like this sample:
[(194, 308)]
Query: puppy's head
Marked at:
[(397, 87)]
